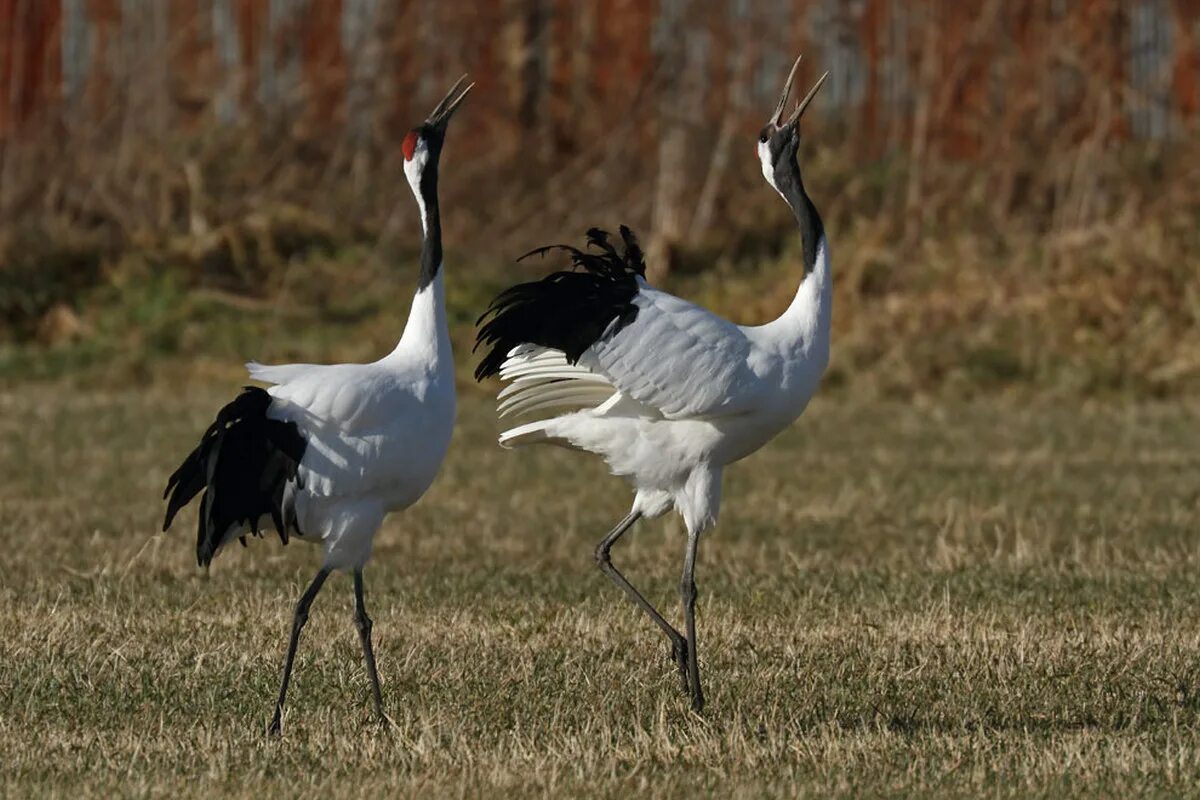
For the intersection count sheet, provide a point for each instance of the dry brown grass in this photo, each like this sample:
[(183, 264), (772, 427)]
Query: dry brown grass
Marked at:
[(900, 599), (1001, 214), (1073, 288)]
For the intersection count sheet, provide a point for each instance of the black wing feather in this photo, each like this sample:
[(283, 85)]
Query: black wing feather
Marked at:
[(243, 464), (569, 310)]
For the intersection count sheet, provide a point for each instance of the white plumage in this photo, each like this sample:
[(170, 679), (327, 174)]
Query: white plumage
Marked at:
[(329, 450), (377, 434), (668, 394), (678, 392)]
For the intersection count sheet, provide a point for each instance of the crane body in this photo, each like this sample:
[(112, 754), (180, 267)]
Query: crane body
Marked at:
[(667, 393), (328, 451)]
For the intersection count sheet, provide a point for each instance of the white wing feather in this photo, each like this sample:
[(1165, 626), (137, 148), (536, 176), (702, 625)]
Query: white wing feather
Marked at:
[(526, 384), (541, 378), (278, 373), (677, 358), (356, 419), (560, 394), (349, 397)]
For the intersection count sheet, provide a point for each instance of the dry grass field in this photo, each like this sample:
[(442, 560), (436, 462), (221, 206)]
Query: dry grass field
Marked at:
[(972, 600), (971, 570)]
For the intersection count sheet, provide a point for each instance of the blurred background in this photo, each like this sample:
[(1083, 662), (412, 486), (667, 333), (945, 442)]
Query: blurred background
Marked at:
[(1011, 189)]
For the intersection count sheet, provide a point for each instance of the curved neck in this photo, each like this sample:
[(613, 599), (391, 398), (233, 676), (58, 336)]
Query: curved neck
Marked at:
[(808, 317), (426, 337), (431, 225), (812, 231), (426, 334)]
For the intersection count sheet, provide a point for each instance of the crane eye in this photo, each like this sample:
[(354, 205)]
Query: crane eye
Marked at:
[(762, 138)]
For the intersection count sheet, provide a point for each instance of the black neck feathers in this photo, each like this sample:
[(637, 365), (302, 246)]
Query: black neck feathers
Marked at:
[(791, 186), (431, 248)]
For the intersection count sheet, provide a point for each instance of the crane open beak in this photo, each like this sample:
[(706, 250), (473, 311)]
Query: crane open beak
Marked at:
[(445, 109), (777, 117)]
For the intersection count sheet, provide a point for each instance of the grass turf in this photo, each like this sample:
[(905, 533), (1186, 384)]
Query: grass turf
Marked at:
[(899, 599)]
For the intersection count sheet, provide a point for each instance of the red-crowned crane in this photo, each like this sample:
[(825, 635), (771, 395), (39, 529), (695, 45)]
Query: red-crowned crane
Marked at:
[(328, 451), (665, 392)]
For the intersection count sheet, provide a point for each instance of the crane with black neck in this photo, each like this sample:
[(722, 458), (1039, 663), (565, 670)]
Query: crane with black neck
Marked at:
[(667, 393), (327, 451)]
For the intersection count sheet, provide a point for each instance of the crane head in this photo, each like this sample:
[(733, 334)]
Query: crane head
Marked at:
[(779, 139), (423, 144)]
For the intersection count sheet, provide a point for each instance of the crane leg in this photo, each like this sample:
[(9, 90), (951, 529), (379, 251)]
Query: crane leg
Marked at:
[(298, 619), (604, 561), (364, 634), (687, 594)]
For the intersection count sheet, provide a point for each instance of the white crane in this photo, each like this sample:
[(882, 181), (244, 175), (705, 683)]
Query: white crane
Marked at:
[(665, 392), (329, 450)]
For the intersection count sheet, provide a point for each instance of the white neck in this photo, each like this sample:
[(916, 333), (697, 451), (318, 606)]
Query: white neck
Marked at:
[(811, 310), (426, 337), (805, 325), (814, 296), (413, 168)]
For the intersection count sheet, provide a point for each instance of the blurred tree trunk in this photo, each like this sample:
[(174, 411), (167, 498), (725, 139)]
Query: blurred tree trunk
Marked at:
[(733, 51), (681, 54), (534, 71)]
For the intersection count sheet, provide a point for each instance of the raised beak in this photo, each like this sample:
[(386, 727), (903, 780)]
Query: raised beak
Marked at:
[(445, 109), (807, 99), (777, 117)]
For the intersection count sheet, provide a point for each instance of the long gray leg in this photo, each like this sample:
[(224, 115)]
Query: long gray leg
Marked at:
[(604, 561), (298, 620), (687, 593), (364, 634)]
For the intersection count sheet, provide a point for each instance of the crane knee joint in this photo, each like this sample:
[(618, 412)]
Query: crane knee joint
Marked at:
[(687, 590), (300, 617)]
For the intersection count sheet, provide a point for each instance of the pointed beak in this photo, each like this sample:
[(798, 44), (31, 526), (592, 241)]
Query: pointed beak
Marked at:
[(445, 109), (777, 117), (799, 112)]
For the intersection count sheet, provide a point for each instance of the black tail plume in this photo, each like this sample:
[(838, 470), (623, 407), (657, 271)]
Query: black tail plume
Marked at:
[(568, 310), (243, 464)]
